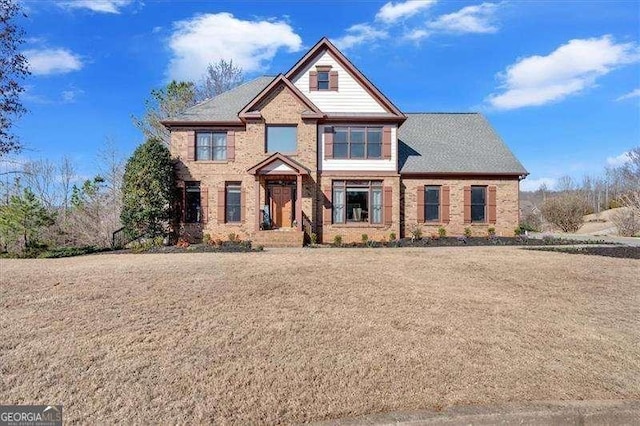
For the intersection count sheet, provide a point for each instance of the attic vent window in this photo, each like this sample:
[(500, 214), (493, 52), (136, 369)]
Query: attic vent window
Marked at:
[(323, 80)]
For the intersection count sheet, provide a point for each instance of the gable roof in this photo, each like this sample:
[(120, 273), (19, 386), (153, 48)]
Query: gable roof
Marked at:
[(224, 107), (463, 143), (312, 112), (277, 157), (325, 45)]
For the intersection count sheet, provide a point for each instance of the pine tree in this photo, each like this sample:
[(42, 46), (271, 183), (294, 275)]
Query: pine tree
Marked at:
[(22, 219), (148, 190)]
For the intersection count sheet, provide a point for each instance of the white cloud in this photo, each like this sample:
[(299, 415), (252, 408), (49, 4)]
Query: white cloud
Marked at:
[(632, 94), (471, 19), (70, 95), (392, 12), (535, 184), (207, 38), (52, 61), (571, 68), (358, 34), (100, 6), (619, 160), (416, 35)]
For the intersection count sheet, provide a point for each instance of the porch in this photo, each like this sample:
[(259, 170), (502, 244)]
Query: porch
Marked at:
[(278, 193)]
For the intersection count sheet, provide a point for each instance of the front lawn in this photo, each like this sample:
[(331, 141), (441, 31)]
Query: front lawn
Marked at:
[(297, 335)]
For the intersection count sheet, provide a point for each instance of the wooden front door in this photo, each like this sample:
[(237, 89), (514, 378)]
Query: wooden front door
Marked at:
[(281, 206)]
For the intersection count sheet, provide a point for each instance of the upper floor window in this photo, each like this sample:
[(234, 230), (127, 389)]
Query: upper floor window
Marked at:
[(282, 139), (478, 203), (211, 146), (357, 142), (323, 80)]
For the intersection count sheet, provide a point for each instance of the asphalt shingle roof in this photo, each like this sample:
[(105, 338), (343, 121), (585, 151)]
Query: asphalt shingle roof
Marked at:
[(227, 105), (453, 143), (427, 142)]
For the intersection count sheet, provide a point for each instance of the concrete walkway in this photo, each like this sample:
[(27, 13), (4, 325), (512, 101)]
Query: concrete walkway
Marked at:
[(629, 241), (540, 413)]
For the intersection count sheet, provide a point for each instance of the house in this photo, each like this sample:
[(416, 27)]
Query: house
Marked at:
[(320, 149)]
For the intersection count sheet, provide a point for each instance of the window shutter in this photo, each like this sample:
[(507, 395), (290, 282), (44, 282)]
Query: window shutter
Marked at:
[(204, 204), (386, 143), (191, 145), (243, 205), (388, 203), (327, 207), (467, 204), (491, 204), (333, 81), (420, 204), (328, 142), (182, 201), (221, 202), (445, 204), (313, 81), (231, 145)]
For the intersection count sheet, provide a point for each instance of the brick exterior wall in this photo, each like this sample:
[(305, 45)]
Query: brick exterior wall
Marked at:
[(281, 107), (507, 206)]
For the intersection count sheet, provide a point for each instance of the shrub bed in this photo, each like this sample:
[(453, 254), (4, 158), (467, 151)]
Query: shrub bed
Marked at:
[(469, 241), (219, 247), (618, 251)]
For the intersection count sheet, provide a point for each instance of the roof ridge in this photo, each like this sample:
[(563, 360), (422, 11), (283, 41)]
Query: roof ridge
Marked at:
[(444, 113)]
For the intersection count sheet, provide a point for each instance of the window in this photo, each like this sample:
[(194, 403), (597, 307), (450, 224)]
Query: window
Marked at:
[(211, 146), (282, 139), (357, 201), (478, 203), (357, 142), (233, 204), (432, 203), (192, 208), (323, 80)]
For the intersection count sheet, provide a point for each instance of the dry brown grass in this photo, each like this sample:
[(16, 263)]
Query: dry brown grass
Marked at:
[(302, 335)]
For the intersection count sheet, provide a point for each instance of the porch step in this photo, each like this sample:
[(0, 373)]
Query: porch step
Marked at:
[(277, 238)]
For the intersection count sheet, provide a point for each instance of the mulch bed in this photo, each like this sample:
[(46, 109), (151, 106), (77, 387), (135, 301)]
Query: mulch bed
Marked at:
[(617, 251), (224, 247), (471, 241)]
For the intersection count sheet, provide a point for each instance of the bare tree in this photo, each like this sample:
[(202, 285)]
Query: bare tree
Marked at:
[(163, 104), (13, 68), (219, 78)]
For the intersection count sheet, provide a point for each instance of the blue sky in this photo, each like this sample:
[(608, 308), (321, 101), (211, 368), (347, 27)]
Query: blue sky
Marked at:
[(560, 81)]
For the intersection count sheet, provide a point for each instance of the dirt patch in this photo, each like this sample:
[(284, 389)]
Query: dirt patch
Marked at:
[(295, 335)]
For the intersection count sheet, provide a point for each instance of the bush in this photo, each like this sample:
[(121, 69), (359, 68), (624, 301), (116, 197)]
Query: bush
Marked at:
[(392, 236), (467, 232), (442, 232), (491, 231), (532, 222), (314, 238), (232, 236), (337, 240), (206, 239), (364, 238), (627, 222), (416, 232), (565, 211), (148, 190)]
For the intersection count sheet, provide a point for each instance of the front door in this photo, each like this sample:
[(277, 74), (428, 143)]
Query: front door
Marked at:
[(281, 206)]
